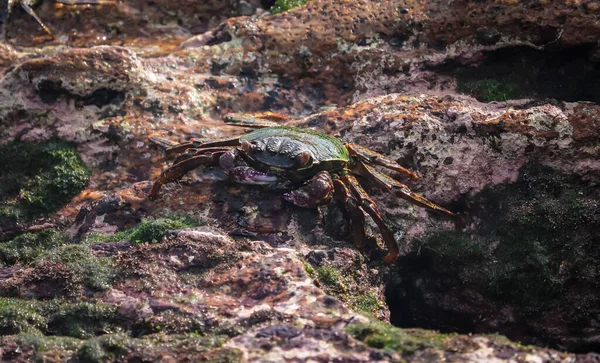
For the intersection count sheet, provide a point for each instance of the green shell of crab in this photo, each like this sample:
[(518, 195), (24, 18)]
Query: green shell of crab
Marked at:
[(322, 147)]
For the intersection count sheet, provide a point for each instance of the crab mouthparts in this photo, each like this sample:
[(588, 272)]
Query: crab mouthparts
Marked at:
[(246, 175)]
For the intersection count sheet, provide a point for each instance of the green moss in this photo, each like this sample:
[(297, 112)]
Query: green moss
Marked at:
[(26, 247), (366, 303), (48, 348), (38, 178), (405, 342), (95, 238), (149, 230), (110, 347), (486, 90), (17, 315), (81, 320), (97, 272), (186, 347), (56, 317), (534, 239), (153, 230), (309, 269), (284, 5), (329, 276)]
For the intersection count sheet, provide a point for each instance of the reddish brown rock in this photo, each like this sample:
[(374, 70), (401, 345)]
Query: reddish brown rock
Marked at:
[(177, 68)]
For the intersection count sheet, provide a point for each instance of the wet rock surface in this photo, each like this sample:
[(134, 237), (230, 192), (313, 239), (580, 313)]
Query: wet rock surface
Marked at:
[(92, 270)]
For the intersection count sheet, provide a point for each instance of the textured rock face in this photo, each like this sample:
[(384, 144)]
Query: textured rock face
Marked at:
[(212, 270)]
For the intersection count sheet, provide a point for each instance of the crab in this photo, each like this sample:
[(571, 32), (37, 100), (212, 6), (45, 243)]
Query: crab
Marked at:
[(313, 167), (28, 4)]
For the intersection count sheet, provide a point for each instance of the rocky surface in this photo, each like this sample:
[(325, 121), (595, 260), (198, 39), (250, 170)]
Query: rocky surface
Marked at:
[(92, 270)]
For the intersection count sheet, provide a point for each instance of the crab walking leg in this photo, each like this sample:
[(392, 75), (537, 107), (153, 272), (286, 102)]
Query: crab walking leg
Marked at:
[(177, 171), (369, 206), (244, 120), (372, 157), (317, 191), (345, 199), (188, 153), (26, 5), (173, 148), (402, 191)]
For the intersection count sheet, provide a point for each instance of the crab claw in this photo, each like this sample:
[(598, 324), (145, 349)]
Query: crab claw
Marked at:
[(316, 192), (248, 175)]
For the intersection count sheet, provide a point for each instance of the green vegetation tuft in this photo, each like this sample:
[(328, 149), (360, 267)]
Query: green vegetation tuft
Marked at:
[(329, 276), (98, 273), (188, 347), (383, 336), (38, 178), (309, 269), (284, 5), (28, 246), (533, 242), (18, 316), (56, 317), (154, 230), (81, 320), (110, 347), (488, 89), (48, 348), (149, 230), (366, 303)]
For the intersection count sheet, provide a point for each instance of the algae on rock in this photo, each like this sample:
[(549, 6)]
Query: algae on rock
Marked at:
[(38, 178)]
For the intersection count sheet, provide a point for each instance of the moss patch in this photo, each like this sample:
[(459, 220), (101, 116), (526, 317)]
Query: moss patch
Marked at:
[(18, 316), (366, 303), (38, 178), (405, 342), (536, 239), (188, 347), (48, 348), (119, 347), (284, 5), (149, 230), (329, 276), (487, 89), (26, 247), (522, 72), (57, 317), (81, 320), (97, 273)]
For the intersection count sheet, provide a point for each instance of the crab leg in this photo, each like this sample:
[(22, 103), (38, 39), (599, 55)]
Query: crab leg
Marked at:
[(402, 191), (173, 148), (369, 206), (191, 152), (317, 191), (250, 121), (371, 157), (25, 4), (178, 170), (357, 214)]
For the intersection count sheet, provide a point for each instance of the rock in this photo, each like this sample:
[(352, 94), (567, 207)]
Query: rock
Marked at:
[(212, 270)]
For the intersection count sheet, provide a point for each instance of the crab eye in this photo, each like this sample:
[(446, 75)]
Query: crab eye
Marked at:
[(303, 158), (246, 146)]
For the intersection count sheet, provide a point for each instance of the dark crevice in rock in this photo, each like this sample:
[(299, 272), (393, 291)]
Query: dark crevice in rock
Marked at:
[(522, 72), (527, 270), (219, 36), (50, 91)]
